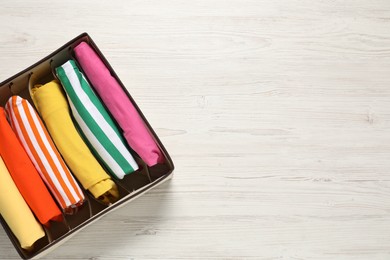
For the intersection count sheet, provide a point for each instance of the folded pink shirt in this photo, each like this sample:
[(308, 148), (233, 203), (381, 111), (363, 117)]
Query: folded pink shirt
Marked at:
[(117, 102)]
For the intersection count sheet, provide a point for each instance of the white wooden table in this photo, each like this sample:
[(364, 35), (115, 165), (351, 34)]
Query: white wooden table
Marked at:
[(276, 114)]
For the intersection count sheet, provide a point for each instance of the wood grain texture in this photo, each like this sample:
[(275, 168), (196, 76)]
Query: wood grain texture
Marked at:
[(276, 114)]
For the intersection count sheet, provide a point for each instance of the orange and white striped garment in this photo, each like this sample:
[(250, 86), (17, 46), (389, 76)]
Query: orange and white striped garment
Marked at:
[(40, 148)]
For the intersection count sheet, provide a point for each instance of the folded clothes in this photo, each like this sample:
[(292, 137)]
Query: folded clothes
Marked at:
[(118, 104), (39, 146), (51, 104), (16, 212), (96, 125), (25, 175)]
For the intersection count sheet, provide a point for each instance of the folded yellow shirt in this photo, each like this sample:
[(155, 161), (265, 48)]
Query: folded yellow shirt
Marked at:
[(15, 211), (51, 104)]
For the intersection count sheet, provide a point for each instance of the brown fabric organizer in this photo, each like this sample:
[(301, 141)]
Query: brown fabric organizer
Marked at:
[(131, 187)]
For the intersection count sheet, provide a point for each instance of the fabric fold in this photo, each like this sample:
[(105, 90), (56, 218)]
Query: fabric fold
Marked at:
[(96, 125), (39, 146), (16, 212), (51, 104), (118, 104), (25, 176)]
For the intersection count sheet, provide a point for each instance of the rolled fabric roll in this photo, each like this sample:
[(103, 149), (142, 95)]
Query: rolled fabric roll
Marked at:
[(39, 146), (25, 175), (95, 123), (16, 212), (119, 105), (51, 104)]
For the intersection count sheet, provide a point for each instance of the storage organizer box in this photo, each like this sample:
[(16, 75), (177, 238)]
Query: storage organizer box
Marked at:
[(130, 187)]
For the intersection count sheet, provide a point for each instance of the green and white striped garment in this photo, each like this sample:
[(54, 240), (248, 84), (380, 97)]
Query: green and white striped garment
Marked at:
[(94, 122)]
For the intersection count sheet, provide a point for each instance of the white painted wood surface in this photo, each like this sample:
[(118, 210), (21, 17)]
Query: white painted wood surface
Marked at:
[(276, 114)]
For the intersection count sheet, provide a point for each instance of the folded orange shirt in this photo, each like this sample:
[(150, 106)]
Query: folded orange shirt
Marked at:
[(41, 150), (25, 176)]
